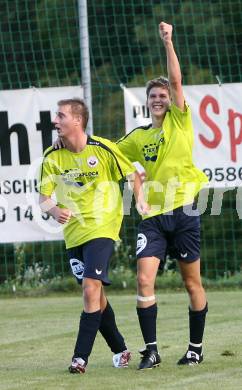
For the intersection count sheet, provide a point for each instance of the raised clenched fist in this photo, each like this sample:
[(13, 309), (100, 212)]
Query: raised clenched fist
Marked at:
[(165, 31)]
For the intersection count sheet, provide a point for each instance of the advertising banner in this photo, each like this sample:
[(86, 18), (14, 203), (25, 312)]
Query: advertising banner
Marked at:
[(26, 130)]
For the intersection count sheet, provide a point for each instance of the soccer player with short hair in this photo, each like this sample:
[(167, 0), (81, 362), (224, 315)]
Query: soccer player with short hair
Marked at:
[(164, 148), (85, 179)]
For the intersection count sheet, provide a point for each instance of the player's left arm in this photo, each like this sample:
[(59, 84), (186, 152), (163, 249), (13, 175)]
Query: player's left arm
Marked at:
[(173, 66)]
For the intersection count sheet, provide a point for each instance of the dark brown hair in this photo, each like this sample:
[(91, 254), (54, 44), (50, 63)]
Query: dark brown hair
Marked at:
[(78, 108)]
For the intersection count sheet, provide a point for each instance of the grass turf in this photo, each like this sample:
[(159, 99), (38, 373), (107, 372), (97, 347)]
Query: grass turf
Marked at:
[(37, 336)]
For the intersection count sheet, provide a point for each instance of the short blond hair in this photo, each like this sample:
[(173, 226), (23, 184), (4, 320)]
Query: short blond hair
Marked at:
[(161, 81), (78, 108)]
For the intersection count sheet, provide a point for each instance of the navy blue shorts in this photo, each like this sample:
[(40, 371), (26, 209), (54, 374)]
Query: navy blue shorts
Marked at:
[(176, 234), (91, 260)]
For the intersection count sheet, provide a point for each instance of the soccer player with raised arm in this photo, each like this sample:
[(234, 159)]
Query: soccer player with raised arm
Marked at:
[(84, 177), (164, 148)]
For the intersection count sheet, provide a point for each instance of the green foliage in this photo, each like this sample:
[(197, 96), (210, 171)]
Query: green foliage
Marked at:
[(221, 246), (123, 281), (40, 41), (126, 48), (33, 264), (34, 276), (121, 257)]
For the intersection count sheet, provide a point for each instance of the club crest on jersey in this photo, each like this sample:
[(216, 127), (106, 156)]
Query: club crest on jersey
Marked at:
[(141, 243), (150, 152), (92, 161)]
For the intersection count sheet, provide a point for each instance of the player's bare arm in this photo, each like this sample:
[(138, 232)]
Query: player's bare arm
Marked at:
[(173, 66), (136, 185), (47, 205)]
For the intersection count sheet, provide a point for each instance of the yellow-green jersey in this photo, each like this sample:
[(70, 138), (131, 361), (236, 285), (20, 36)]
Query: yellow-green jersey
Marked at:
[(87, 184), (172, 180)]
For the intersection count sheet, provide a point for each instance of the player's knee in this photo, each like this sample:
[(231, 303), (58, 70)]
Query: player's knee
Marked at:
[(91, 290), (193, 286), (144, 281)]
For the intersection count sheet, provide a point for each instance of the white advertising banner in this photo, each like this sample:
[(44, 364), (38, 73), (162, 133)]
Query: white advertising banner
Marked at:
[(217, 120), (26, 130)]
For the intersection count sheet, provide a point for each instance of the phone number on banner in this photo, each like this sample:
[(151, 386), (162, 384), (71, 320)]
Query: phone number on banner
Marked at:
[(22, 214), (229, 174)]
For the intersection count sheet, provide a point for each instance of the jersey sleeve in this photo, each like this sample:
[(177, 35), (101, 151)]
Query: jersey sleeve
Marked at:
[(183, 119), (121, 166), (128, 147), (47, 175)]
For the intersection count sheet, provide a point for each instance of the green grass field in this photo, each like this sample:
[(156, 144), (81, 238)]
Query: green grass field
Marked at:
[(37, 336)]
